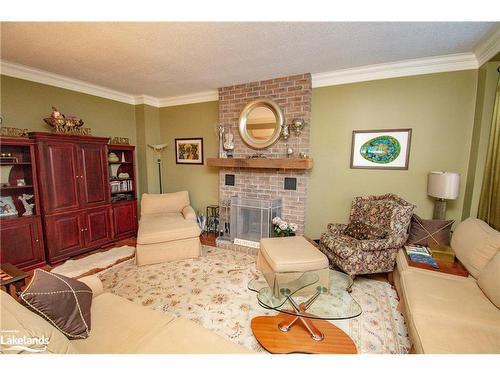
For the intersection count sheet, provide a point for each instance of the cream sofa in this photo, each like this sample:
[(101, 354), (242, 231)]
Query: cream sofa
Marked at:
[(118, 326), (453, 314), (167, 229)]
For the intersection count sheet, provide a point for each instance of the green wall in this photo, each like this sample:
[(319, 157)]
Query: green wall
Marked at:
[(438, 107), (147, 119), (184, 121), (24, 104), (486, 91)]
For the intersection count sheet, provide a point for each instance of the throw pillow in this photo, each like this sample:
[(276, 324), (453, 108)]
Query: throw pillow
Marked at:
[(429, 232), (362, 231), (62, 301)]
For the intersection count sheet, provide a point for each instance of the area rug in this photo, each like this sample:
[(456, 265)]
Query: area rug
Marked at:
[(94, 263), (212, 290)]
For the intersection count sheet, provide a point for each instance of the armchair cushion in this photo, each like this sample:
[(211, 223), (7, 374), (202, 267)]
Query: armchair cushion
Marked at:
[(164, 203), (335, 228), (362, 231), (188, 213)]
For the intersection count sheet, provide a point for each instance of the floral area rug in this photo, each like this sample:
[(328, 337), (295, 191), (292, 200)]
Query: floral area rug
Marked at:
[(212, 291)]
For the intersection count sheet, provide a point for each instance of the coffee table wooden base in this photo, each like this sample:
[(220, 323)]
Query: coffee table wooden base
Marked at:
[(298, 339)]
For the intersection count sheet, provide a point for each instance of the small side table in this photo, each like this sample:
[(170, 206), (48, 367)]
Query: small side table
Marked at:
[(12, 279), (453, 268)]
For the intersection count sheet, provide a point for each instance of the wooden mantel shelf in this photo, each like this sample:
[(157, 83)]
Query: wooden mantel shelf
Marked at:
[(260, 163)]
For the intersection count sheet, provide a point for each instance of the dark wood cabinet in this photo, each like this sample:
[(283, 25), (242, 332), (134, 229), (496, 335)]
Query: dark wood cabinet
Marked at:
[(59, 171), (64, 235), (98, 226), (75, 211), (21, 237), (93, 175), (125, 216), (75, 194), (123, 190), (22, 242)]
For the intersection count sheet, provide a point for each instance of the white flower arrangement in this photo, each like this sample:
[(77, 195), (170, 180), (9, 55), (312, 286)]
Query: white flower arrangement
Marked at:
[(283, 228)]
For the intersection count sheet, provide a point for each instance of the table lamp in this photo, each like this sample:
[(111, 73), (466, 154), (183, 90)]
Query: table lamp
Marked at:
[(442, 186)]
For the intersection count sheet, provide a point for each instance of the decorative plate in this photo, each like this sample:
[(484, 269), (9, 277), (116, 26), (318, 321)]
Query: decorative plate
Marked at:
[(382, 150)]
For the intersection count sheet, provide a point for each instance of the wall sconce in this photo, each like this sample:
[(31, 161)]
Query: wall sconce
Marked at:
[(297, 125)]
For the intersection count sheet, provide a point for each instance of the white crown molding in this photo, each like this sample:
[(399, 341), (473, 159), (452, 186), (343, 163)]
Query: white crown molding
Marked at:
[(197, 97), (36, 75), (438, 64), (489, 48), (145, 99), (429, 65)]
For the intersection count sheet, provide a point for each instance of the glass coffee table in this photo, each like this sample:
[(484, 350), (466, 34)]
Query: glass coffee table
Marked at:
[(304, 307)]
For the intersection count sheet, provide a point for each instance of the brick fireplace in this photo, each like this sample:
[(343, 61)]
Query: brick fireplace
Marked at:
[(293, 95)]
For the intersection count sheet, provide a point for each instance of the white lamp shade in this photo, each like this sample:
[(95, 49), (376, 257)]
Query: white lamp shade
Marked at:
[(444, 185)]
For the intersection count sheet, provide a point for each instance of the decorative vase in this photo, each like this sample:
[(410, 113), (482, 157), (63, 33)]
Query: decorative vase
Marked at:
[(123, 157)]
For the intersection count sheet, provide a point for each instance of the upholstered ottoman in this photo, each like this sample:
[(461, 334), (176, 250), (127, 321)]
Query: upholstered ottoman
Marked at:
[(284, 255)]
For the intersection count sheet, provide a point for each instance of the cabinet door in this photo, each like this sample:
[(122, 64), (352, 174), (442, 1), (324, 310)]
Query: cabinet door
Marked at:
[(59, 175), (125, 216), (22, 243), (94, 175), (64, 235), (99, 227)]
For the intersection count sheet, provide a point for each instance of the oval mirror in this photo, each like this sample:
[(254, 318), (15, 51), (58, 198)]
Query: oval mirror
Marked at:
[(260, 123)]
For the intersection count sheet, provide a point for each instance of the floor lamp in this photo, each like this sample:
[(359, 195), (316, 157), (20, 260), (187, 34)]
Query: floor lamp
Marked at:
[(158, 150)]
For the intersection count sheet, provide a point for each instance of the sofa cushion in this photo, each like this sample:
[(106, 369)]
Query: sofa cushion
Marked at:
[(361, 231), (489, 280), (164, 203), (439, 335), (119, 325), (290, 254), (447, 296), (63, 301), (166, 227), (19, 322), (475, 243), (438, 304), (429, 232), (182, 336)]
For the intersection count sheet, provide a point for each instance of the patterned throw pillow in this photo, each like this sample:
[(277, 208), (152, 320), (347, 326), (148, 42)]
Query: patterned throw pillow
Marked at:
[(62, 301), (429, 232), (361, 231)]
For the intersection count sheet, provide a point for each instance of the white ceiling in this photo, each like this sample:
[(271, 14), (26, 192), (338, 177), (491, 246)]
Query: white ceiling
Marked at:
[(172, 58)]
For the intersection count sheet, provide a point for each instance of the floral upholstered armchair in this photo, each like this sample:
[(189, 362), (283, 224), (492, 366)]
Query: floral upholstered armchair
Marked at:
[(378, 228)]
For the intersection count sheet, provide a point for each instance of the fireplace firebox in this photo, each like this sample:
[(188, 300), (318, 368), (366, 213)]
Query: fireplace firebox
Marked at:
[(251, 219)]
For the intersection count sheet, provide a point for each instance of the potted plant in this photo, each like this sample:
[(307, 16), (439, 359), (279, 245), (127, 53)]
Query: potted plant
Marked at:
[(282, 228)]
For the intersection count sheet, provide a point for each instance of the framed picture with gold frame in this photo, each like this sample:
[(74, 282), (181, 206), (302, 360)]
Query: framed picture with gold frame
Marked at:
[(189, 151)]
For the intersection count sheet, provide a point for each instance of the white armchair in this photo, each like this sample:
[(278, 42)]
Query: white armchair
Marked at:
[(167, 229)]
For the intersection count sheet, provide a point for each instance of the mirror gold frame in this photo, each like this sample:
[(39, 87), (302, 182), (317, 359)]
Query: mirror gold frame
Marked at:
[(278, 115)]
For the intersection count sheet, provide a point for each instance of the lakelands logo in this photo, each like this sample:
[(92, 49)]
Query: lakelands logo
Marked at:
[(12, 341)]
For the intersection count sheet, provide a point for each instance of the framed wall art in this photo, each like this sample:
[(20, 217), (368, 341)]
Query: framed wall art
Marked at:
[(380, 149), (189, 151)]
